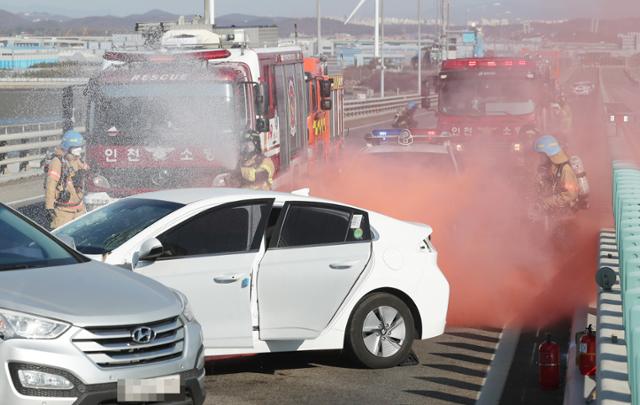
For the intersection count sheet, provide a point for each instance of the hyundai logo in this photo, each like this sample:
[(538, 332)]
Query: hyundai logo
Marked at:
[(143, 335)]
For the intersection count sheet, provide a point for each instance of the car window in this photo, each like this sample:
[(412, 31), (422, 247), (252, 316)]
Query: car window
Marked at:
[(23, 245), (105, 230), (309, 225), (222, 230)]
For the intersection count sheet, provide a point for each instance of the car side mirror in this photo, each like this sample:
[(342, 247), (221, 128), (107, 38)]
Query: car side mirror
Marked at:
[(261, 100), (325, 88), (150, 250), (326, 104)]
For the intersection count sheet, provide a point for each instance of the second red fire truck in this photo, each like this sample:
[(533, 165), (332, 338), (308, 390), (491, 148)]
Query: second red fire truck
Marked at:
[(492, 100)]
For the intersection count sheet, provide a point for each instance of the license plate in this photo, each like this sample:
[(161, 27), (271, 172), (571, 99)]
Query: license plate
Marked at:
[(150, 389)]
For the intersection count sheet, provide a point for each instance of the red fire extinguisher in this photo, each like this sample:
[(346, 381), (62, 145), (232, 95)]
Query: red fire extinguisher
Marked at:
[(587, 353), (549, 364)]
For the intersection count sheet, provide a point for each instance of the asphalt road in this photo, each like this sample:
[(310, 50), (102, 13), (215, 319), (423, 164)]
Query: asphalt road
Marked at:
[(451, 370)]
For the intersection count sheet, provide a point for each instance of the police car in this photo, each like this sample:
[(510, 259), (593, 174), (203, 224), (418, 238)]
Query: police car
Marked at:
[(423, 146)]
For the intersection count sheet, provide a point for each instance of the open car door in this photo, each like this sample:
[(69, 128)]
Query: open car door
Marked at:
[(315, 256)]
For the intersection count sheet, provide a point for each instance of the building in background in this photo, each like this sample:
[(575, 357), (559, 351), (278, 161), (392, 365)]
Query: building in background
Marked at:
[(23, 52), (630, 41)]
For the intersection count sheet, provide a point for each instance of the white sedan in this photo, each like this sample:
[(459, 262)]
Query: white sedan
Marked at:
[(273, 272)]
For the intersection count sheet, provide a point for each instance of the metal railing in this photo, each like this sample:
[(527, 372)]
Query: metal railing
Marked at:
[(23, 147), (355, 109), (626, 210)]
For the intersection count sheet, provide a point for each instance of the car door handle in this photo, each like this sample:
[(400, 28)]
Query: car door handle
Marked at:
[(227, 279), (343, 266)]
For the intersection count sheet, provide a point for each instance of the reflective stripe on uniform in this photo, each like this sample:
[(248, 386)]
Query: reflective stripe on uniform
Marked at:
[(54, 175)]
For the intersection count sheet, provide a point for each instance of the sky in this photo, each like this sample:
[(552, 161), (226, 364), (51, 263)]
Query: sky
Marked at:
[(306, 8)]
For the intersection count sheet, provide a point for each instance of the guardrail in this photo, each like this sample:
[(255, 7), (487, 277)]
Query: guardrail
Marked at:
[(23, 147), (355, 109), (626, 210)]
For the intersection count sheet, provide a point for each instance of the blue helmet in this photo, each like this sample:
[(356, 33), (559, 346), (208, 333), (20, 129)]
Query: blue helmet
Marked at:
[(412, 105), (72, 139), (548, 145)]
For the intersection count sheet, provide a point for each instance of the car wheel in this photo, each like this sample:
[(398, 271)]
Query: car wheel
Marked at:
[(380, 332)]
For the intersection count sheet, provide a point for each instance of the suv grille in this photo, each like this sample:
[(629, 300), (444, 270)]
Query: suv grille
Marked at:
[(115, 347)]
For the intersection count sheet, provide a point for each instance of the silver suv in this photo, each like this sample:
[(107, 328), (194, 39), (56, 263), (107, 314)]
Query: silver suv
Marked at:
[(73, 331)]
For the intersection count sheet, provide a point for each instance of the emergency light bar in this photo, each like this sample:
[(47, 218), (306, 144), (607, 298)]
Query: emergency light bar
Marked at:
[(456, 64), (165, 58), (386, 133)]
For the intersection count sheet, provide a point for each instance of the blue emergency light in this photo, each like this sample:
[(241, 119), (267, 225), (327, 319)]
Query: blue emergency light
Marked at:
[(386, 133)]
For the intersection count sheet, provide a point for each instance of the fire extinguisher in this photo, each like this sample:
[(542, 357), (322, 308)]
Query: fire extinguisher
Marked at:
[(549, 364), (587, 353)]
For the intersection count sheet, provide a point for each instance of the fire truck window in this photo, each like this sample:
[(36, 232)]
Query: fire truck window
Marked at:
[(155, 114), (242, 95), (492, 96)]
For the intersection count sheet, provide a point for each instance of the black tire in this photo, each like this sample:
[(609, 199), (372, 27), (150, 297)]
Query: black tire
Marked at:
[(355, 335)]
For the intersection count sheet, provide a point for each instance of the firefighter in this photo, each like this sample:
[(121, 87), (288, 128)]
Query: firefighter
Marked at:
[(557, 180), (256, 169), (405, 117), (64, 187)]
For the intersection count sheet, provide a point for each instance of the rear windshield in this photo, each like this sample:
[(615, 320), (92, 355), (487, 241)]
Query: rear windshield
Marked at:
[(106, 229), (24, 246)]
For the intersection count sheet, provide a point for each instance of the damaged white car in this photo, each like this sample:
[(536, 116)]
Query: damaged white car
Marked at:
[(274, 272)]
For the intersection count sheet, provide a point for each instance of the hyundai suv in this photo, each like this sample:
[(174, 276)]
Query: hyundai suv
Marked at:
[(74, 331)]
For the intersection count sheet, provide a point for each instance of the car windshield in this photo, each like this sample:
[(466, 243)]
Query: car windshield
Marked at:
[(487, 97), (106, 229), (24, 246), (207, 113)]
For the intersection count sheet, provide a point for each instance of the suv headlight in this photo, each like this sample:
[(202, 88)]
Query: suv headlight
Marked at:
[(187, 313), (16, 325)]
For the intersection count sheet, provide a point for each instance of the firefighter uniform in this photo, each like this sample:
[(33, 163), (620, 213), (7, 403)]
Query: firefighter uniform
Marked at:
[(257, 172), (562, 184), (63, 195)]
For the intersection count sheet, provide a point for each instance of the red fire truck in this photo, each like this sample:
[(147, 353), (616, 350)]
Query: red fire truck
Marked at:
[(491, 101), (176, 119)]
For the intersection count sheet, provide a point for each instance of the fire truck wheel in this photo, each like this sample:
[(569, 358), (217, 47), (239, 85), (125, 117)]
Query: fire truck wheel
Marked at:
[(380, 332)]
